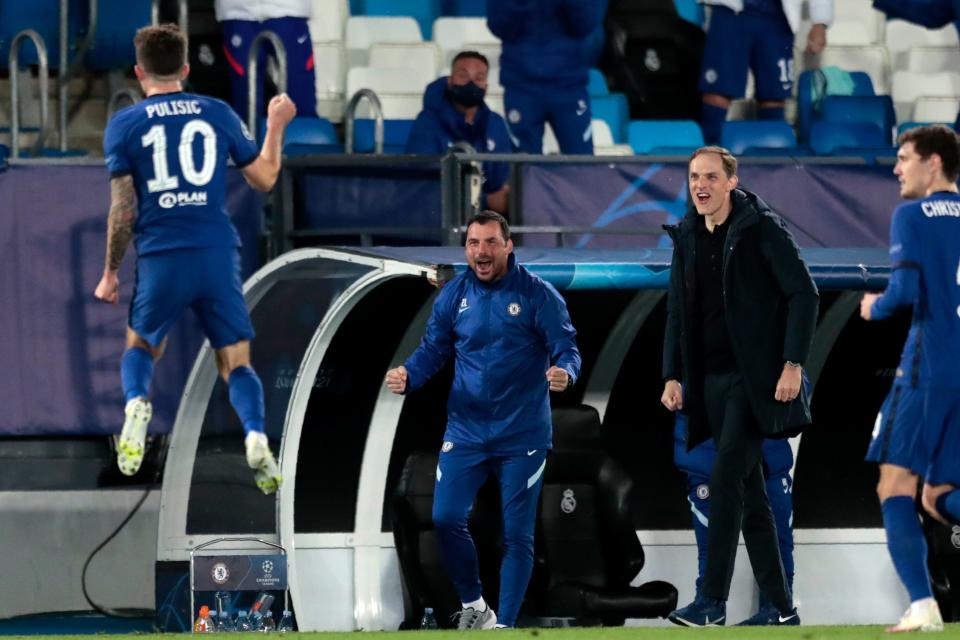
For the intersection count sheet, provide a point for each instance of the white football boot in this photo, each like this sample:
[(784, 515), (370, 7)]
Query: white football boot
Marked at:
[(130, 444), (260, 459), (923, 615)]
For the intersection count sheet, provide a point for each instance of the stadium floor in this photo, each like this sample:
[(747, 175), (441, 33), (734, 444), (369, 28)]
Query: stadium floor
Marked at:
[(952, 631)]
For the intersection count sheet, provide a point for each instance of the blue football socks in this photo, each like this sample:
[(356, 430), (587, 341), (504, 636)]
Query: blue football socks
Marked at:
[(907, 546), (136, 371), (711, 121), (770, 113), (246, 396), (948, 506)]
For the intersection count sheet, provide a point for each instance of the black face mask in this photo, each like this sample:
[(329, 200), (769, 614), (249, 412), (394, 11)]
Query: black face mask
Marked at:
[(466, 95)]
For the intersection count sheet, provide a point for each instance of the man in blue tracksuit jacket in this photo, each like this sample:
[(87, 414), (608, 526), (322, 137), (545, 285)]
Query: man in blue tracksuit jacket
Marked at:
[(544, 69), (454, 111), (932, 14), (512, 342)]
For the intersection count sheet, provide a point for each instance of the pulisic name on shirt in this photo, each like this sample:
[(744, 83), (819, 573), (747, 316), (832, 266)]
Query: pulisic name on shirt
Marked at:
[(938, 208), (173, 108)]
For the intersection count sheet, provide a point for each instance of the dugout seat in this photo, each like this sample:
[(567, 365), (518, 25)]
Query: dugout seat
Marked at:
[(587, 550), (424, 578)]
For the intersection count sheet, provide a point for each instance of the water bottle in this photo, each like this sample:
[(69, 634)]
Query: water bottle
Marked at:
[(260, 608), (428, 621), (286, 622), (224, 619), (243, 621), (266, 623), (204, 622)]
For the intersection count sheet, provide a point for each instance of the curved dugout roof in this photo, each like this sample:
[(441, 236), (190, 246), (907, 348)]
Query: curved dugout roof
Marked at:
[(329, 322)]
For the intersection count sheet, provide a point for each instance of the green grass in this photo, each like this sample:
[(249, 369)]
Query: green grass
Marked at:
[(951, 632)]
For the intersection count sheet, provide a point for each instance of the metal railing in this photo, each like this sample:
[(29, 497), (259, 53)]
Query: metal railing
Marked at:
[(253, 73), (350, 115), (182, 14), (14, 63)]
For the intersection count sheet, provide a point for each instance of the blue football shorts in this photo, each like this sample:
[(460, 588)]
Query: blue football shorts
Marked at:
[(206, 280)]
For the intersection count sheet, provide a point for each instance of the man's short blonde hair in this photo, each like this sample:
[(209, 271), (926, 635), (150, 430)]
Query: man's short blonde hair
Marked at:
[(729, 162)]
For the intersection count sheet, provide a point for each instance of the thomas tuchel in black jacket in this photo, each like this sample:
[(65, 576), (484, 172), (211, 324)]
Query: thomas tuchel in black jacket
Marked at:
[(770, 303)]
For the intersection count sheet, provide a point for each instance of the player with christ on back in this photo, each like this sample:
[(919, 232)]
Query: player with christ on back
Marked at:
[(167, 158), (917, 432)]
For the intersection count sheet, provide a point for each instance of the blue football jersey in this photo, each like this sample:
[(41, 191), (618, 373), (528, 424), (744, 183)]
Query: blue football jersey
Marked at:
[(925, 235), (175, 145)]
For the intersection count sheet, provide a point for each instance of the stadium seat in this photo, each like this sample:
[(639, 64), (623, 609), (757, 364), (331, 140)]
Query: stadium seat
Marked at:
[(851, 33), (423, 11), (859, 11), (326, 22), (691, 11), (907, 86), (395, 134), (871, 59), (490, 50), (401, 97), (905, 126), (493, 82), (588, 553), (597, 84), (807, 108), (363, 31), (847, 138), (901, 36), (928, 59), (875, 109), (467, 8), (452, 34), (43, 17), (331, 78), (613, 109), (743, 136), (421, 57), (310, 135), (112, 46), (928, 109), (653, 136)]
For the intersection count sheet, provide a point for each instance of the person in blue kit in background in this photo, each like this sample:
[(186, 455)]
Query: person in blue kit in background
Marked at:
[(756, 35), (242, 21), (454, 111), (167, 157), (544, 69), (697, 464), (917, 433), (932, 14), (512, 342)]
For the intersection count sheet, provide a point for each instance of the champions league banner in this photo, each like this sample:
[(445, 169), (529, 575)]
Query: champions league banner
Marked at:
[(824, 205), (60, 347), (260, 572)]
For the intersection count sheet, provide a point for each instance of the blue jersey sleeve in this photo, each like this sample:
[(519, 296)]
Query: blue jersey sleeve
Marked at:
[(904, 285), (554, 323), (114, 152), (437, 345), (240, 143)]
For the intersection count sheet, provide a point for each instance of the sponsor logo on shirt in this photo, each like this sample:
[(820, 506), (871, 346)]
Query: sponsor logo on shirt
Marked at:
[(169, 199), (513, 308)]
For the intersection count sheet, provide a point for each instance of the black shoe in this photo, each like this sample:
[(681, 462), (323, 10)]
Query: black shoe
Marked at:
[(702, 612), (769, 615)]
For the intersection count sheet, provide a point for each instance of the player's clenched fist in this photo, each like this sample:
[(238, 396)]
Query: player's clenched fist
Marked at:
[(397, 379), (108, 289), (281, 110), (672, 397), (558, 378)]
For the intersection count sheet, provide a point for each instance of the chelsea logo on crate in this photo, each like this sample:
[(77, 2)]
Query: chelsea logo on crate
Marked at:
[(220, 573), (513, 308)]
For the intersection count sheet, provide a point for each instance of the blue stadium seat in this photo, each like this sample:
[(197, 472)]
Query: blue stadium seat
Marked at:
[(847, 138), (875, 109), (597, 84), (395, 134), (614, 110), (112, 46), (310, 135), (43, 17), (465, 8), (807, 111), (668, 137), (745, 136), (357, 7), (904, 126), (690, 10), (423, 11)]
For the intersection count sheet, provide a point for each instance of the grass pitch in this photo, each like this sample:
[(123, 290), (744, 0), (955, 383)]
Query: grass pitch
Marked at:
[(951, 632)]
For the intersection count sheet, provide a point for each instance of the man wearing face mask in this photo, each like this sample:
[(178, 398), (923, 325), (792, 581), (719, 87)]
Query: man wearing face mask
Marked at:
[(454, 111)]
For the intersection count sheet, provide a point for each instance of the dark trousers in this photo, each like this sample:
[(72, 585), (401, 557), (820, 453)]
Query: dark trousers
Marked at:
[(738, 497)]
